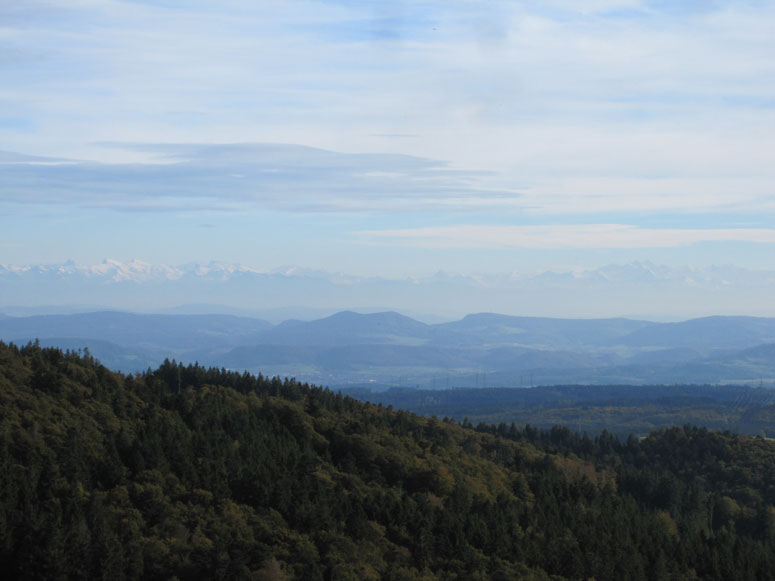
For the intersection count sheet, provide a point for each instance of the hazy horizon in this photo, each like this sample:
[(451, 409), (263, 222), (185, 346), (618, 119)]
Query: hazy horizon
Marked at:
[(623, 290)]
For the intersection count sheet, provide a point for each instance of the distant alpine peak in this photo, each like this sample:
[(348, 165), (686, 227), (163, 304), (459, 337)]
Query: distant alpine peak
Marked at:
[(140, 271), (134, 270), (216, 267)]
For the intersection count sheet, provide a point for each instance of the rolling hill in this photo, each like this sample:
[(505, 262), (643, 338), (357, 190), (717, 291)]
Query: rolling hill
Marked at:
[(389, 349)]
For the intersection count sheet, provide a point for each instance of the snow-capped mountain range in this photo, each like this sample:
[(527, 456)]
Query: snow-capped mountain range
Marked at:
[(134, 270), (636, 289)]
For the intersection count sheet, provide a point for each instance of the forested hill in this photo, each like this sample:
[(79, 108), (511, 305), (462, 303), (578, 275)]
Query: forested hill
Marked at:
[(192, 473)]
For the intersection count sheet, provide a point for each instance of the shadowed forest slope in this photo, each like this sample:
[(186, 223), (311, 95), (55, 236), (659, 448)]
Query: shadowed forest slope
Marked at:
[(196, 473)]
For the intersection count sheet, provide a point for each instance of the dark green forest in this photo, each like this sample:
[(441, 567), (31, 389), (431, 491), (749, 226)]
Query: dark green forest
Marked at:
[(185, 472)]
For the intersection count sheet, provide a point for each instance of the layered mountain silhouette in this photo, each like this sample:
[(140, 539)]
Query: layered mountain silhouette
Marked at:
[(390, 349)]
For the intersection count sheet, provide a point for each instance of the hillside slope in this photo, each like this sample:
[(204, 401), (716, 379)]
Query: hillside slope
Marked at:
[(202, 473)]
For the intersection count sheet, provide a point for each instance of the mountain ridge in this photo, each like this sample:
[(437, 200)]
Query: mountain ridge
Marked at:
[(388, 348)]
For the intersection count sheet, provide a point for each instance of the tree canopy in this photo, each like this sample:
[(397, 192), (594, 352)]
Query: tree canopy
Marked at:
[(189, 472)]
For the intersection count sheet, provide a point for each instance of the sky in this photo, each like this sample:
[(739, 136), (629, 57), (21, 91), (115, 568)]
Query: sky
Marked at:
[(388, 138)]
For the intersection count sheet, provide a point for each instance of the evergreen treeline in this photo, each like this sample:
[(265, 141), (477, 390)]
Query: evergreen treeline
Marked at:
[(190, 473)]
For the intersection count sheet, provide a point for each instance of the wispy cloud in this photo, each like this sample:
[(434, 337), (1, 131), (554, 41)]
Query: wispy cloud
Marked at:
[(196, 177), (239, 176), (586, 236)]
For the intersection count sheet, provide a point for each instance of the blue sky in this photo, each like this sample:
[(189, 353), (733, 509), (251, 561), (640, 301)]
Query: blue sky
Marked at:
[(394, 138)]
